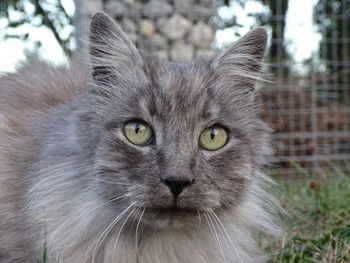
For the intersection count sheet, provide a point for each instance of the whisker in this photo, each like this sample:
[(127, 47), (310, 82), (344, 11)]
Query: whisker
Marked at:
[(109, 201), (226, 233), (221, 231), (107, 230), (136, 233), (121, 228), (215, 234), (135, 219), (199, 218), (111, 182)]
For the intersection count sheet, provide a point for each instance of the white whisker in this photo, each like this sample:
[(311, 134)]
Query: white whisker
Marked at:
[(109, 201), (226, 233), (121, 228), (199, 218), (136, 233), (135, 219), (106, 231), (111, 182), (215, 234)]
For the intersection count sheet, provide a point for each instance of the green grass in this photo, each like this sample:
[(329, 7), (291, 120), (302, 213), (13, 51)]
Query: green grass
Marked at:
[(44, 257), (318, 225)]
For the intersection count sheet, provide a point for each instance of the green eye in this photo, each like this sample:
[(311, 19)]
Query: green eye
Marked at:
[(213, 138), (138, 132)]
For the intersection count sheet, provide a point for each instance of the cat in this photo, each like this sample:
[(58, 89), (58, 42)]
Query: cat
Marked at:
[(135, 160)]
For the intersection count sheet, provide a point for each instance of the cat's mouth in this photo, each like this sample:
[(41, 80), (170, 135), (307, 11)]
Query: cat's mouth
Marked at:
[(170, 217), (175, 210)]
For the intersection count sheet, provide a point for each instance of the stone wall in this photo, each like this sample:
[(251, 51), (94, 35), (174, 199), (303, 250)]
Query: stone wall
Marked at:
[(177, 30)]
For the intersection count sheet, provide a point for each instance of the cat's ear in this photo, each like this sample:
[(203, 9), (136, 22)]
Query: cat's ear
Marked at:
[(111, 52), (242, 61)]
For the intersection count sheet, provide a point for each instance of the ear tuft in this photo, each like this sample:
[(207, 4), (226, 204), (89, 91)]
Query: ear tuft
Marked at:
[(253, 43), (243, 59), (101, 23), (110, 49)]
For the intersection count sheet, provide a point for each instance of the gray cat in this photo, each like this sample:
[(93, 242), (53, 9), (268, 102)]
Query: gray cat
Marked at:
[(139, 160)]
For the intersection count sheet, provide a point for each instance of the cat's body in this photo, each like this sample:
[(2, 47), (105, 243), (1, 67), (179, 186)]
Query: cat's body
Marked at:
[(71, 182)]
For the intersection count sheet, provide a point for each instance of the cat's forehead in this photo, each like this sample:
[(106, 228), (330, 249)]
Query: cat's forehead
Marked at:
[(191, 96), (181, 90), (172, 76)]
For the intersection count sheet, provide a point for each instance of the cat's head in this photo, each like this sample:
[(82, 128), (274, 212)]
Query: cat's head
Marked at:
[(173, 139)]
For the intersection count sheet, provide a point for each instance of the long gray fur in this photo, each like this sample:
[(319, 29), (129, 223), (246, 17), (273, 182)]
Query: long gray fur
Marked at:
[(67, 171)]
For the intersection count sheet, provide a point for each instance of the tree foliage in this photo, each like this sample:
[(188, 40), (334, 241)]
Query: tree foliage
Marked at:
[(276, 19), (37, 13), (332, 18)]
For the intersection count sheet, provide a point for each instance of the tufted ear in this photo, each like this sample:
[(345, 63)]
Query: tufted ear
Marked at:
[(242, 61), (112, 53)]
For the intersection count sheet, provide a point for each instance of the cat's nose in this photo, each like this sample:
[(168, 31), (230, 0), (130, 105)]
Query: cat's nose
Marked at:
[(177, 184)]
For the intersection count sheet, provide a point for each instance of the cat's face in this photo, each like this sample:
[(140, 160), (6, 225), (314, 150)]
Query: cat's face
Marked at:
[(154, 150)]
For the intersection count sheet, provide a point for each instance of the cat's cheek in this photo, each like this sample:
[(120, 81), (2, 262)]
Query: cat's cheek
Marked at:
[(224, 177)]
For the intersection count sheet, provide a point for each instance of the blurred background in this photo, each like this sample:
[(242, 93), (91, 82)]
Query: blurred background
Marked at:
[(307, 102)]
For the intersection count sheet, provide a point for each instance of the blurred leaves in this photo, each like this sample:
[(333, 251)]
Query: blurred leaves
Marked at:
[(223, 23), (37, 13)]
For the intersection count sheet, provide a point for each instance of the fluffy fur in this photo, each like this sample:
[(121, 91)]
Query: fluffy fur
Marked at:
[(71, 182)]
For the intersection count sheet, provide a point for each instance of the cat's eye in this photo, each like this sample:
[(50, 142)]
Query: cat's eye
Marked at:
[(138, 132), (213, 138)]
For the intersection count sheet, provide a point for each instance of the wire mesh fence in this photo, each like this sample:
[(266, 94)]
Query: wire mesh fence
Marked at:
[(308, 104)]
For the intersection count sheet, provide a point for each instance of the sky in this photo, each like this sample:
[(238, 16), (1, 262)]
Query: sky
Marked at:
[(299, 25), (299, 32)]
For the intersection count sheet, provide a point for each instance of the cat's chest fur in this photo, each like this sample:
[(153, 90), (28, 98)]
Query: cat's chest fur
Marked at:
[(199, 245), (171, 247)]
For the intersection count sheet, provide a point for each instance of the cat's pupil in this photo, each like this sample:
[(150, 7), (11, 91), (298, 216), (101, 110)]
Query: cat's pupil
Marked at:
[(212, 134), (137, 128)]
